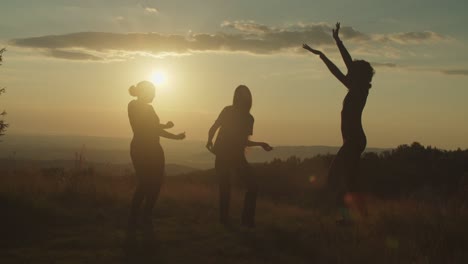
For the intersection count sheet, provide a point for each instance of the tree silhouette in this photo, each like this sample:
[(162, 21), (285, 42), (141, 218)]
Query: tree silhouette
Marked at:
[(3, 125)]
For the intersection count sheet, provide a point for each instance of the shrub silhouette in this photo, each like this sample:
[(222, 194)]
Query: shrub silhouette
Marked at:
[(407, 170), (3, 125)]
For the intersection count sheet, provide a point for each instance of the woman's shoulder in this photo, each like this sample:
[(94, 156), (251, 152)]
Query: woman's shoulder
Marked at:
[(135, 106), (136, 103), (132, 103), (228, 108)]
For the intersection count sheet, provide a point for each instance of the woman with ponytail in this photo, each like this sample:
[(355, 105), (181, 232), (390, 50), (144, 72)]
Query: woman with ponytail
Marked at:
[(147, 155)]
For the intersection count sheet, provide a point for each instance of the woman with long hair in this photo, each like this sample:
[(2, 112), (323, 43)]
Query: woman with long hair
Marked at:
[(235, 124), (147, 155), (344, 171)]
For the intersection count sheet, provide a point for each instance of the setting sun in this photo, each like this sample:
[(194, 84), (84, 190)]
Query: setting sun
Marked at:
[(159, 77), (247, 131)]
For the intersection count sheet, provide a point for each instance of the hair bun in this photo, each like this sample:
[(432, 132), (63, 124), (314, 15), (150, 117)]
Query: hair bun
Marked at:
[(133, 90)]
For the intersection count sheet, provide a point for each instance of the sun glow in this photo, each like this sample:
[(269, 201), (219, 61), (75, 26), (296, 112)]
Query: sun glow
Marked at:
[(159, 77)]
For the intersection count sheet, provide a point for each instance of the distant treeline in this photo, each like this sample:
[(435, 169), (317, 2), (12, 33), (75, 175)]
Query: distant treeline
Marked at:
[(408, 170)]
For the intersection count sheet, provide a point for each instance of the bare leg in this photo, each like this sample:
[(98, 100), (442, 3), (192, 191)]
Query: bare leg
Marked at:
[(137, 200), (355, 197), (223, 172), (335, 181), (352, 195), (250, 200), (152, 193)]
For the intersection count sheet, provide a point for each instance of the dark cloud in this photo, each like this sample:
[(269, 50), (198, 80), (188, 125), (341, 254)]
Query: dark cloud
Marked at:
[(156, 43), (242, 36), (455, 72)]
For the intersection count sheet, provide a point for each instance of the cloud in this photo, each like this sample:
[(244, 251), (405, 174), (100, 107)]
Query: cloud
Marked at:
[(455, 72), (412, 37), (384, 64), (151, 10), (147, 6), (71, 55), (247, 26), (268, 43), (238, 36)]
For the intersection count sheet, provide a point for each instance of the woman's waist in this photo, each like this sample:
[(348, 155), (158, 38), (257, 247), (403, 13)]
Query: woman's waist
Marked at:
[(145, 142), (353, 132), (352, 125), (356, 139), (149, 137), (230, 147)]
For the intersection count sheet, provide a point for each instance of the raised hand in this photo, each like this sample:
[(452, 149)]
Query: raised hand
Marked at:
[(314, 51), (169, 124), (336, 31)]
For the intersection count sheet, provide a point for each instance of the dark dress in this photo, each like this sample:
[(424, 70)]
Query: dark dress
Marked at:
[(145, 150), (235, 128)]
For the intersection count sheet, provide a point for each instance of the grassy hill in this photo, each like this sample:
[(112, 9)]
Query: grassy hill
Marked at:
[(83, 220), (192, 154)]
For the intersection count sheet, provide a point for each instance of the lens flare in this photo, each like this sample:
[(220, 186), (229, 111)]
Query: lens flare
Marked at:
[(392, 243), (312, 179)]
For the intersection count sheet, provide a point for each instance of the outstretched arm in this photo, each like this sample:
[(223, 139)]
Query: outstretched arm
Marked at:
[(344, 52), (165, 134), (330, 65), (264, 145), (167, 125)]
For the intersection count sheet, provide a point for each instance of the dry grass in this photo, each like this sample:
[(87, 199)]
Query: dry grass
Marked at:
[(82, 219)]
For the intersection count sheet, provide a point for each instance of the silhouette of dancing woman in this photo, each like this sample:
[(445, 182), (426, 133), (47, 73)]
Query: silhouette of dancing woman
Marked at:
[(235, 124), (147, 155), (344, 171)]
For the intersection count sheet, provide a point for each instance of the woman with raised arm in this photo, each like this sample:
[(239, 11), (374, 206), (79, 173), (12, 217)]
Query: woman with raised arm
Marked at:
[(235, 124), (344, 171), (147, 156)]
